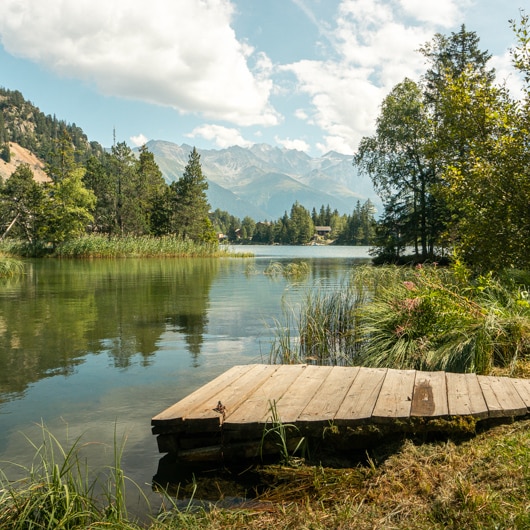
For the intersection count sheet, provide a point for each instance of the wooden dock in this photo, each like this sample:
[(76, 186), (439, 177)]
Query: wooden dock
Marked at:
[(225, 418)]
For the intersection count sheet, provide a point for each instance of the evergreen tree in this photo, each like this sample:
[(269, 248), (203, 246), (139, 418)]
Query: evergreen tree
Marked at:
[(189, 203)]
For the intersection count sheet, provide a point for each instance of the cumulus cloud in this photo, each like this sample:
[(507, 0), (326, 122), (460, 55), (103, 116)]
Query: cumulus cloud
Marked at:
[(222, 136), (138, 140), (298, 144), (183, 55), (376, 43)]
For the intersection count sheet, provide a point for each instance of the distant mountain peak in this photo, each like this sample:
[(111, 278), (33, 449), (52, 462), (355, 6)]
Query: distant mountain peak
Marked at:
[(264, 179)]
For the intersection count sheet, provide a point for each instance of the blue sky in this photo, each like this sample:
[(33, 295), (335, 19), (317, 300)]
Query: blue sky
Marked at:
[(303, 74)]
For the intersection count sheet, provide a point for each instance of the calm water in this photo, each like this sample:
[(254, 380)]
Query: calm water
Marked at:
[(90, 348)]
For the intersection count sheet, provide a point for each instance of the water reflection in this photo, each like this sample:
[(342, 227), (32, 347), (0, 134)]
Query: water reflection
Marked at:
[(88, 347), (63, 310)]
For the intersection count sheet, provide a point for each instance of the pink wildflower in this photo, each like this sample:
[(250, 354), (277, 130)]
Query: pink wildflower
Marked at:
[(409, 285)]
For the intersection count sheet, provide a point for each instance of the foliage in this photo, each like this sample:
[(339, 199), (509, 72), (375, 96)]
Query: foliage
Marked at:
[(281, 432), (10, 267), (398, 160), (189, 205), (22, 204), (68, 209), (450, 158), (424, 318)]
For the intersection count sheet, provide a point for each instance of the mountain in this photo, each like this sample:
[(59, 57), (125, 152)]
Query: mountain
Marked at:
[(263, 181)]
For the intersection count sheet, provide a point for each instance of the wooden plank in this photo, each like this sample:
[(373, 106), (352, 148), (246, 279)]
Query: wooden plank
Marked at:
[(395, 398), (523, 389), (360, 400), (501, 397), (464, 396), (299, 394), (227, 400), (177, 412), (430, 395), (323, 406), (256, 409)]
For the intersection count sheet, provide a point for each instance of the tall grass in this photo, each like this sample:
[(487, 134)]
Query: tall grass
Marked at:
[(96, 246), (10, 267), (423, 318), (58, 490), (100, 246)]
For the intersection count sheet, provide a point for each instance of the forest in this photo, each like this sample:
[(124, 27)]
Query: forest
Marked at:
[(123, 193)]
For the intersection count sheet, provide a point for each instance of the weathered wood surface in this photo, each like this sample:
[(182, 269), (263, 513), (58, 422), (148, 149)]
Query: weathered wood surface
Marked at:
[(315, 396)]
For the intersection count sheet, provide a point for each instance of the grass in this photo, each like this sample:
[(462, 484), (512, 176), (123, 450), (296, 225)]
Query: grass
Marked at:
[(57, 491), (99, 246), (425, 318), (290, 271), (10, 267), (472, 482)]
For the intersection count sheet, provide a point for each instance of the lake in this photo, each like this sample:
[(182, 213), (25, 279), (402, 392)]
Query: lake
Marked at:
[(92, 348)]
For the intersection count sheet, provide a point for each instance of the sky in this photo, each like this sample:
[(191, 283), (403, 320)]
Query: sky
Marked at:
[(300, 74)]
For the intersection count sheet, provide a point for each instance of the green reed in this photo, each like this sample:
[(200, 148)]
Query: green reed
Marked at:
[(58, 490), (10, 267), (421, 318)]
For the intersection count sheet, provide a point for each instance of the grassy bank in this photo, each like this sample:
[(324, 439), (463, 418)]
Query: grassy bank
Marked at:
[(425, 318), (98, 246), (10, 267), (480, 482)]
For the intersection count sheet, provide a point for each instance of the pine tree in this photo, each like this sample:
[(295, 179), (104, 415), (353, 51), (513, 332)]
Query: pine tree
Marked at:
[(190, 205)]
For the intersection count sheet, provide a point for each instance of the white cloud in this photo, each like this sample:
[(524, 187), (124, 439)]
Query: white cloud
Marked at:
[(376, 43), (181, 54), (298, 144), (139, 140), (222, 136), (439, 12), (506, 74)]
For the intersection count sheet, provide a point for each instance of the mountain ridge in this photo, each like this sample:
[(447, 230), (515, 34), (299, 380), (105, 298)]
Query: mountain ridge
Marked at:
[(267, 180)]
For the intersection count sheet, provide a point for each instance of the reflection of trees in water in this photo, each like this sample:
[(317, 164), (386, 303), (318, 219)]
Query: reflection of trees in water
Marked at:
[(65, 309)]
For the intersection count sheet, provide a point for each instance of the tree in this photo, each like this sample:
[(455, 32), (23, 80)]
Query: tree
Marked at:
[(419, 135), (61, 159), (487, 188), (149, 190), (398, 160), (99, 179), (189, 216), (68, 209), (300, 228), (23, 204)]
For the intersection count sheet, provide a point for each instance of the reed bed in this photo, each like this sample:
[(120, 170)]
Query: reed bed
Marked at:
[(10, 267), (96, 246), (100, 246), (291, 271), (425, 318)]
